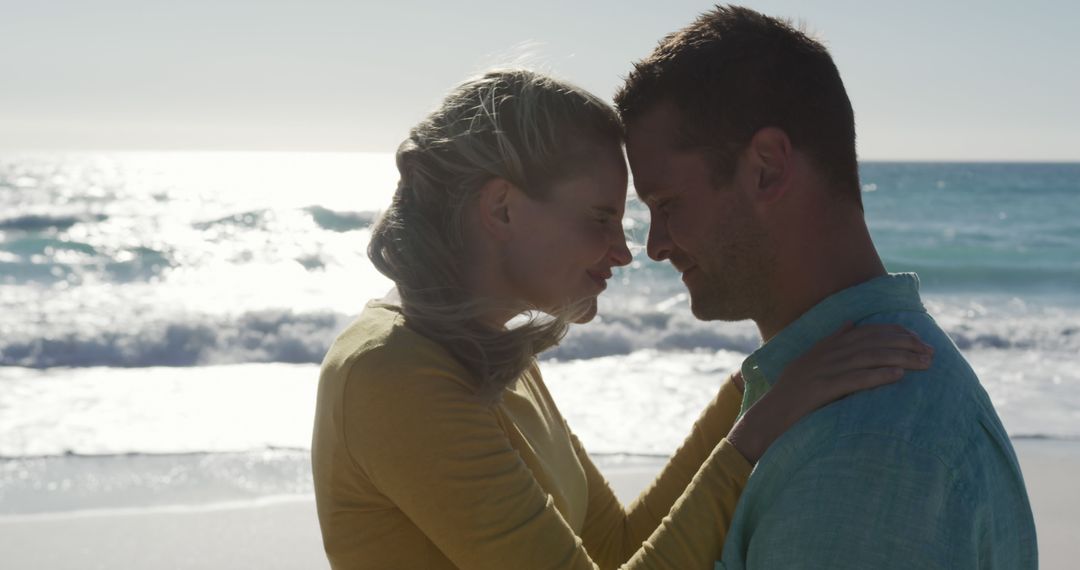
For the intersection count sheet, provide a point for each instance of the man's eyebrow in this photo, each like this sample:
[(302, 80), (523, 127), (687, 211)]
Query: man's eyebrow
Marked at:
[(647, 194), (606, 210)]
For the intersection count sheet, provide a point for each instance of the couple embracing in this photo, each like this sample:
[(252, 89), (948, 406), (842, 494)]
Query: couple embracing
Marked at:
[(856, 436)]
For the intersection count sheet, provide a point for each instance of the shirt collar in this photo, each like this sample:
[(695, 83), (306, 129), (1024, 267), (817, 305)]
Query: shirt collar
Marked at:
[(888, 293)]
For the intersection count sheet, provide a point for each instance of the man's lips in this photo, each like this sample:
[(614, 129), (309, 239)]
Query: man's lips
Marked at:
[(680, 264), (686, 272)]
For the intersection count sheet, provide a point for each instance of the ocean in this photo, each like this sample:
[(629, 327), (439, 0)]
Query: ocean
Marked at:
[(164, 316)]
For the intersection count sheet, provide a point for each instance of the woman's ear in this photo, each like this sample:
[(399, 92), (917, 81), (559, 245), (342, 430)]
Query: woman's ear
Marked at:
[(493, 207)]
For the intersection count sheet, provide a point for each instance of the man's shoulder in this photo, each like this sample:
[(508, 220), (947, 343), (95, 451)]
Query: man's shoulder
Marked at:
[(928, 450), (942, 411)]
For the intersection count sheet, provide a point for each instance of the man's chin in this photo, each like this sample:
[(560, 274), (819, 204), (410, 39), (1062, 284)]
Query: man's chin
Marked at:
[(713, 309), (701, 312), (701, 306)]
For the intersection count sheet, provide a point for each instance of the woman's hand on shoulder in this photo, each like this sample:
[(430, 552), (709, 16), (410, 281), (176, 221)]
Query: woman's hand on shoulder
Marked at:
[(850, 360), (737, 380)]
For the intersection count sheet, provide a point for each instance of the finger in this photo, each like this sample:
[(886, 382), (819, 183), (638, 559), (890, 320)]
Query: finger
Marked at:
[(865, 380), (903, 341), (845, 328), (874, 377), (848, 356), (852, 335), (886, 357), (835, 338), (862, 332)]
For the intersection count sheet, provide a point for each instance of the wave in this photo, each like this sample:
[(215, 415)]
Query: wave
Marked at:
[(261, 336), (34, 260), (37, 485), (272, 453), (964, 275), (250, 219), (1043, 437), (70, 483), (623, 334), (340, 221), (29, 246), (325, 218), (39, 223), (290, 337), (71, 454)]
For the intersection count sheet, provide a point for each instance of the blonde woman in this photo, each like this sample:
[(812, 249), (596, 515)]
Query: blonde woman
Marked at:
[(436, 443)]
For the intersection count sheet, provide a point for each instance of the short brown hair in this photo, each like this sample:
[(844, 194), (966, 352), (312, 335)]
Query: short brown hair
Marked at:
[(734, 71)]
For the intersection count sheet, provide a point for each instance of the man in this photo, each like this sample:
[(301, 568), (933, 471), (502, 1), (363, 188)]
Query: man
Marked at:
[(741, 140)]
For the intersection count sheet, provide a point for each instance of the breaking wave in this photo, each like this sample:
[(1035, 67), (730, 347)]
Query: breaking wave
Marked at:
[(296, 337)]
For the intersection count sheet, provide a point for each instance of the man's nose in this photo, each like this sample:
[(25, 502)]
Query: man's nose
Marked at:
[(659, 244)]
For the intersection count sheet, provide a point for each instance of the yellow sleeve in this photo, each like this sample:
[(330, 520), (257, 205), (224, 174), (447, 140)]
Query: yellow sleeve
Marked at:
[(430, 446), (444, 460), (692, 534), (612, 535), (712, 426)]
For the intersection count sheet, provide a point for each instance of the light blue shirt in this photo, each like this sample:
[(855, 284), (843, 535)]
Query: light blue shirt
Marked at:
[(917, 474)]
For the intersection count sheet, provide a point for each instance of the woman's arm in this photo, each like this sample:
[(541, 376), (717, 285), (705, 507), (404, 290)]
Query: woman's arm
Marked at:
[(705, 490), (443, 459), (612, 533), (848, 361)]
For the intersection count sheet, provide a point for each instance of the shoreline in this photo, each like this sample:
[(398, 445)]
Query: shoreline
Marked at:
[(281, 531)]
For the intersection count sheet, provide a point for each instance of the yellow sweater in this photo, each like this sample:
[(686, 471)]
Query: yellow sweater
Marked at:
[(414, 472)]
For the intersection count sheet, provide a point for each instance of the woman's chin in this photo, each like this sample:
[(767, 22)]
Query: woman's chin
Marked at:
[(580, 311), (587, 313)]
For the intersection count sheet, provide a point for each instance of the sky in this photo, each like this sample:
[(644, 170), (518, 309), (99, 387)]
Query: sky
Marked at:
[(929, 80)]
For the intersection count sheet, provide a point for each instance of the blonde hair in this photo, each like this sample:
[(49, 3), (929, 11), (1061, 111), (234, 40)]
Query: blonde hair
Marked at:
[(526, 128)]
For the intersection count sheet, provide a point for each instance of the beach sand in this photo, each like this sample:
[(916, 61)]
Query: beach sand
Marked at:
[(283, 532)]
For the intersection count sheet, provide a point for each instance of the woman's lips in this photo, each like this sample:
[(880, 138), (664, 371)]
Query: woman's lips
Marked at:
[(600, 278)]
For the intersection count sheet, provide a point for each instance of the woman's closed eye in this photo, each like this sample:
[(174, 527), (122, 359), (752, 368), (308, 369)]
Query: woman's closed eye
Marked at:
[(605, 217)]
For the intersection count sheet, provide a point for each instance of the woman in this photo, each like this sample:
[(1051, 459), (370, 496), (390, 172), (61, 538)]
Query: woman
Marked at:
[(436, 444)]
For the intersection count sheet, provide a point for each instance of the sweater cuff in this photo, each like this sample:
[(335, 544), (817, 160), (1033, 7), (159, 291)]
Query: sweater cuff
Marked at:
[(731, 461)]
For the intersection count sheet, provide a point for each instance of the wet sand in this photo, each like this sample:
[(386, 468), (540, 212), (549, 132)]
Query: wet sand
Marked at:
[(283, 532)]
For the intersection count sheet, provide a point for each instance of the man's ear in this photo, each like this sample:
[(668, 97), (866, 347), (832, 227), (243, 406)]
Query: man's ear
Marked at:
[(493, 207), (770, 160)]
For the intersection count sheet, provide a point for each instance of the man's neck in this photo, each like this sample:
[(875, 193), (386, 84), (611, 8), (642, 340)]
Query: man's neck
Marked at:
[(813, 269)]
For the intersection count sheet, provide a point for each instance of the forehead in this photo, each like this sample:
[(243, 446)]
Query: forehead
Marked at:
[(603, 182), (656, 160), (654, 130)]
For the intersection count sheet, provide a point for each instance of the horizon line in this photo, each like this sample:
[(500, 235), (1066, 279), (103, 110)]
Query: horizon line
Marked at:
[(121, 150)]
